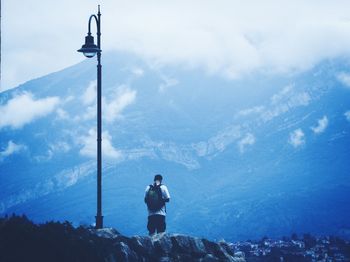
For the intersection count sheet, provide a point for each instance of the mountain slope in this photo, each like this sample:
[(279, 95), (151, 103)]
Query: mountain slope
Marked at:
[(261, 155)]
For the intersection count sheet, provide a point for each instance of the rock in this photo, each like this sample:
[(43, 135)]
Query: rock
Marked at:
[(165, 259), (227, 247), (209, 258), (189, 245), (239, 254), (124, 253), (110, 233), (143, 246), (218, 250), (162, 244)]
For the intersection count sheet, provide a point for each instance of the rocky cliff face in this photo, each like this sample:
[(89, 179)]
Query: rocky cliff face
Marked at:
[(22, 240), (165, 247)]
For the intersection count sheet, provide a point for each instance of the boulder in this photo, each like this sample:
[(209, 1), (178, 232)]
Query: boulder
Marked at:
[(109, 233), (162, 244), (188, 245), (143, 245), (209, 258), (124, 253)]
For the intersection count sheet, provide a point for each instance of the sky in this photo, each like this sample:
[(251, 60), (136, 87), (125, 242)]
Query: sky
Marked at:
[(226, 38)]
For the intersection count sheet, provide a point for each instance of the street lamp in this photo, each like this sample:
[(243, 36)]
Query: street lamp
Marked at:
[(89, 49)]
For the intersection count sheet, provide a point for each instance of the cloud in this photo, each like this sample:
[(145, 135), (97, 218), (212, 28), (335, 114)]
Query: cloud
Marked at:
[(278, 97), (23, 109), (321, 125), (89, 146), (347, 115), (113, 108), (222, 139), (251, 111), (289, 101), (62, 114), (344, 78), (297, 138), (168, 82), (137, 71), (228, 38), (90, 94), (11, 148), (247, 140)]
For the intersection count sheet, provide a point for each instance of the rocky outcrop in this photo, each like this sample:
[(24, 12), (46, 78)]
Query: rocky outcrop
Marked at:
[(22, 240), (166, 247)]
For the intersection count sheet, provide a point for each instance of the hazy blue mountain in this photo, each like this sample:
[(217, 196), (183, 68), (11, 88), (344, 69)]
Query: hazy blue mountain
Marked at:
[(264, 154)]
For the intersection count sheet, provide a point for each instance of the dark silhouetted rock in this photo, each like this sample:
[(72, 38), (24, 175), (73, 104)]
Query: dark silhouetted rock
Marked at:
[(110, 233), (21, 240)]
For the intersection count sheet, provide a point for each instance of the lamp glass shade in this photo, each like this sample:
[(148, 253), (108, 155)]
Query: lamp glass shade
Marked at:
[(89, 54), (89, 49)]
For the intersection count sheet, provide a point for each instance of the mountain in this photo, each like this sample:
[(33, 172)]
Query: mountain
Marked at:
[(264, 154)]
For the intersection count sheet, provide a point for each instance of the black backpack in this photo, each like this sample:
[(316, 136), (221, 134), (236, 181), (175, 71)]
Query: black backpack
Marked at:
[(154, 199)]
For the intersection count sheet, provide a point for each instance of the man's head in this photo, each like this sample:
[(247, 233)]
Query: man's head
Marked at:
[(158, 179)]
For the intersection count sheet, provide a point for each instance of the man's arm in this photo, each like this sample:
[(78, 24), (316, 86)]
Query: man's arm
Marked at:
[(147, 188), (166, 195)]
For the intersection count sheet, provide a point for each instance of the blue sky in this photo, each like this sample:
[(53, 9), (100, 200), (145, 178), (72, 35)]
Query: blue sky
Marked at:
[(229, 38)]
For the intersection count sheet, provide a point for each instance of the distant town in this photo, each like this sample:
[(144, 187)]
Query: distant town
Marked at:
[(303, 248)]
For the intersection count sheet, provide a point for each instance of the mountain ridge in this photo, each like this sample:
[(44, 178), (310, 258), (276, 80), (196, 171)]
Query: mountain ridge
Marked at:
[(233, 152)]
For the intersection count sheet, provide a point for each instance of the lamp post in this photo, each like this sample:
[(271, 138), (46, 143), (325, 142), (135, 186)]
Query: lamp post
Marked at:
[(89, 49)]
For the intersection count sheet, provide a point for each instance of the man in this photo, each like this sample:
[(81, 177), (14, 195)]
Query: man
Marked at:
[(156, 195)]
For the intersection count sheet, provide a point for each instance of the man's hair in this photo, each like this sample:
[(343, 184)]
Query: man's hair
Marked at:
[(158, 177)]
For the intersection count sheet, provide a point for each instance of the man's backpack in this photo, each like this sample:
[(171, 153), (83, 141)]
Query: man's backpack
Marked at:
[(154, 199)]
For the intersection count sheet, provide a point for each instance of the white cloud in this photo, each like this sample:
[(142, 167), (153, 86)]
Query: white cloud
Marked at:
[(113, 108), (344, 78), (168, 82), (281, 94), (23, 109), (225, 37), (222, 139), (11, 148), (137, 71), (89, 145), (347, 115), (321, 125), (89, 114), (60, 146), (297, 138), (251, 111), (90, 95), (62, 114), (284, 105), (247, 140)]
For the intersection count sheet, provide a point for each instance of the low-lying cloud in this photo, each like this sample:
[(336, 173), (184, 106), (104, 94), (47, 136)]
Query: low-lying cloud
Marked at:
[(11, 148), (321, 125), (347, 115), (344, 78), (89, 145), (114, 106), (225, 37), (297, 138), (248, 139), (24, 108)]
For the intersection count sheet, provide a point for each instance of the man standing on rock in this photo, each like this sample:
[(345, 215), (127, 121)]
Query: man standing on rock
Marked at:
[(156, 196)]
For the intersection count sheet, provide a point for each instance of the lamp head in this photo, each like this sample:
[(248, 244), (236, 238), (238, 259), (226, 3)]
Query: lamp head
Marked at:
[(89, 49)]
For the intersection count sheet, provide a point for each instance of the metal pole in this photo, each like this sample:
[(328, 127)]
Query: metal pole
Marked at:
[(99, 217)]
